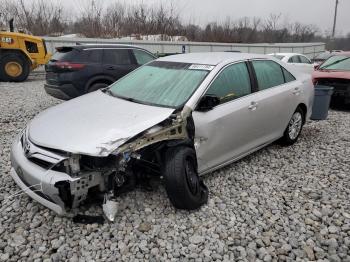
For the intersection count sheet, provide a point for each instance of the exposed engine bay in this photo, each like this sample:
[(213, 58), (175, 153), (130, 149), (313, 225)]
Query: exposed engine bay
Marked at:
[(132, 164)]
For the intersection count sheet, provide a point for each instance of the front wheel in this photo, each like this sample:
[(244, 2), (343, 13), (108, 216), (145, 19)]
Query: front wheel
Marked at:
[(293, 130), (184, 187), (14, 68)]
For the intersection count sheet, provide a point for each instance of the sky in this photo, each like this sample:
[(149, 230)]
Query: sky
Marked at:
[(317, 12)]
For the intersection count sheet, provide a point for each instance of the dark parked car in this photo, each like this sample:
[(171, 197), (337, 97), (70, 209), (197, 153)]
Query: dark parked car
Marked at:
[(77, 70)]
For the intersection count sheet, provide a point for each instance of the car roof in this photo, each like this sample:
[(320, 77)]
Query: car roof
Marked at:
[(211, 58), (287, 54), (346, 53), (88, 46)]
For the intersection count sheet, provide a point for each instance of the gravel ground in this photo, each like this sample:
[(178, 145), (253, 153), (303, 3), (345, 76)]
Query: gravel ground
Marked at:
[(277, 204)]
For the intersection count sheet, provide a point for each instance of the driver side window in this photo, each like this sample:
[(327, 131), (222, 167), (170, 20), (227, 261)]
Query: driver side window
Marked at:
[(233, 82)]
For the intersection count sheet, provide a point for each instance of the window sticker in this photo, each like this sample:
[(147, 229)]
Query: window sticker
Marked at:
[(201, 67)]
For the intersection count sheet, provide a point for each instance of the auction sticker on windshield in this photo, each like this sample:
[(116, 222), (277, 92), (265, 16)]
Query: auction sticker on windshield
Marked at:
[(201, 67)]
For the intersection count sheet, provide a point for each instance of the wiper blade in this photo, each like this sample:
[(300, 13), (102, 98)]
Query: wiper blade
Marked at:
[(108, 91), (132, 100)]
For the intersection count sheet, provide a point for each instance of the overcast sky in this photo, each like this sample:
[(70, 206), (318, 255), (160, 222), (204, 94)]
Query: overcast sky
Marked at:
[(317, 12)]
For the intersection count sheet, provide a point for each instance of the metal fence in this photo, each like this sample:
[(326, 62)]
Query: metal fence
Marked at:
[(163, 47)]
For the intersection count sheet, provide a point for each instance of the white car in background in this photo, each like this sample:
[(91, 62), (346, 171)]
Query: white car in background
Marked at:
[(301, 62)]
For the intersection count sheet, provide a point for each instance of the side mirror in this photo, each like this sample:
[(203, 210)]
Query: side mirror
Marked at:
[(208, 102), (316, 66)]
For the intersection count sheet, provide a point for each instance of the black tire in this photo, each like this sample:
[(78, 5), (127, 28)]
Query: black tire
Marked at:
[(96, 86), (20, 61), (184, 187), (289, 138), (337, 102)]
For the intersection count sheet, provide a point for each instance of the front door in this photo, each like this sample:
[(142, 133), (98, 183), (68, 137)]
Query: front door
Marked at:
[(228, 130)]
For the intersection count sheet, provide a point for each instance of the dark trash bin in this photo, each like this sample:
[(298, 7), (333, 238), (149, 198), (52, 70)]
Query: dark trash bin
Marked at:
[(322, 100)]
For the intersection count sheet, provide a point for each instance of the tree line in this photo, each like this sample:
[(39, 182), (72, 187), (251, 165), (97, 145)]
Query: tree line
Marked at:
[(115, 20)]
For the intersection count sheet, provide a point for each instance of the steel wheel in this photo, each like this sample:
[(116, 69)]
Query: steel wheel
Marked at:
[(295, 125), (13, 69), (191, 176), (184, 187)]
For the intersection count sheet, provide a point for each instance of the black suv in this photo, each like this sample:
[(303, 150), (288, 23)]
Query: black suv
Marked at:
[(77, 70)]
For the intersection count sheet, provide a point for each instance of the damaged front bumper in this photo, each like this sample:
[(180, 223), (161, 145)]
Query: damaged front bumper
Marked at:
[(53, 189), (62, 180)]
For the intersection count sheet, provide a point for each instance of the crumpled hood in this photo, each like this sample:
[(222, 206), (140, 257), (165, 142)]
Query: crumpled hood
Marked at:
[(94, 124)]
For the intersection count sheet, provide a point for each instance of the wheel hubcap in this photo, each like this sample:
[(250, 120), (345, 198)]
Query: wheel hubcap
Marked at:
[(294, 126), (13, 69), (191, 177)]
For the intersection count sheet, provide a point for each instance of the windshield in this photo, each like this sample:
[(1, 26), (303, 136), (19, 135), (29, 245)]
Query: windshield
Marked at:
[(338, 62), (280, 57), (167, 84)]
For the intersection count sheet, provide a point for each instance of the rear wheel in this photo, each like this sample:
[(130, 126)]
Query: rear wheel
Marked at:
[(96, 86), (293, 130), (184, 187), (14, 68)]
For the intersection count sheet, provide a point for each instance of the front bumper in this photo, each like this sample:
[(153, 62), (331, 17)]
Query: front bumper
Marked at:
[(37, 182)]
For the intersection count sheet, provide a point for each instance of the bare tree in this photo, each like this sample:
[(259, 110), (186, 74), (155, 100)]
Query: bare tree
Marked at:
[(98, 19)]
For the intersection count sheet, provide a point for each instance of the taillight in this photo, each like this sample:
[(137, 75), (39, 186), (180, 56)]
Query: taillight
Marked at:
[(69, 65)]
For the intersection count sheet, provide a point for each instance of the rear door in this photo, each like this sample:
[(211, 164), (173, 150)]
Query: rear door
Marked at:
[(117, 62), (277, 98)]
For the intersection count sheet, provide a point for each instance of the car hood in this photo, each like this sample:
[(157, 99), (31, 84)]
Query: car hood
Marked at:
[(94, 124), (331, 74)]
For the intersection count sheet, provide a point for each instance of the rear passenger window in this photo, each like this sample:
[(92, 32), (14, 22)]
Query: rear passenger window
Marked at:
[(288, 76), (233, 82), (116, 57), (268, 74), (294, 59), (91, 56), (304, 60), (142, 57)]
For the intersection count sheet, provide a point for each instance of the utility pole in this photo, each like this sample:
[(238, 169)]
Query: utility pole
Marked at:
[(335, 17)]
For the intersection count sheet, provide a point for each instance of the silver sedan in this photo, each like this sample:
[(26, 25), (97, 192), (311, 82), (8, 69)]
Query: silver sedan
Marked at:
[(174, 118)]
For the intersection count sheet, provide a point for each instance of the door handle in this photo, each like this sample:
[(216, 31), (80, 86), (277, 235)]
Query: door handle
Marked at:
[(110, 68), (253, 106), (296, 91)]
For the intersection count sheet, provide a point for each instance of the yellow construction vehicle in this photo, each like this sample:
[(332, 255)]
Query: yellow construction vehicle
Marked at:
[(20, 54)]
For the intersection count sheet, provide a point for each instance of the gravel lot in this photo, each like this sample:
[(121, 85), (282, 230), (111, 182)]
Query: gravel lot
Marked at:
[(277, 204)]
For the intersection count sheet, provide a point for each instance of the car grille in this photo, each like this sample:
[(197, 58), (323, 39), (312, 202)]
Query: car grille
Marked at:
[(40, 156), (42, 163)]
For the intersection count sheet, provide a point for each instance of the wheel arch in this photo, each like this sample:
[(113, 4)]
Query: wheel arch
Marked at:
[(25, 55), (98, 79), (303, 107)]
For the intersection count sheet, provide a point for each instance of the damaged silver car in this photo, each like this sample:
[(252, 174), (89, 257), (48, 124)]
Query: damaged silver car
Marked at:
[(176, 118)]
